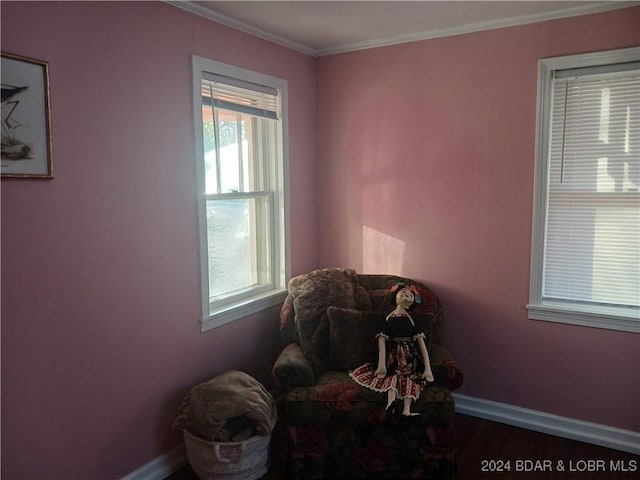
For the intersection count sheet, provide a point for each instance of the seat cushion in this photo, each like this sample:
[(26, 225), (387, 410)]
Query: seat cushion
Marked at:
[(337, 398)]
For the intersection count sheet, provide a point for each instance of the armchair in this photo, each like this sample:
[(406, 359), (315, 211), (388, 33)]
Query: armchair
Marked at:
[(336, 428)]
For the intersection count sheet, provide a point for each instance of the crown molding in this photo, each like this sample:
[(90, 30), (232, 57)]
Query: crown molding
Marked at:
[(193, 7), (405, 38), (477, 27)]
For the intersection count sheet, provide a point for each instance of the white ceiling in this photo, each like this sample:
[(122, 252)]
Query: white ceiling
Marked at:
[(325, 27)]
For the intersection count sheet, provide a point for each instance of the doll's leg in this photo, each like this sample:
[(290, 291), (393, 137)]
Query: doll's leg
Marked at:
[(392, 395), (406, 406), (428, 374), (381, 371)]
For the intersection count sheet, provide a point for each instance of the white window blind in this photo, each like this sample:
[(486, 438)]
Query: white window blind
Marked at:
[(592, 243), (240, 96), (240, 119)]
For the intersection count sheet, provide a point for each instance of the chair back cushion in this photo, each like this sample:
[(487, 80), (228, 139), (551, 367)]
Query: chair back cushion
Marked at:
[(313, 293), (334, 315), (352, 337), (428, 315)]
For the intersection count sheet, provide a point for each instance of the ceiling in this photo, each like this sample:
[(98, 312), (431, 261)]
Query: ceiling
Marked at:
[(326, 27)]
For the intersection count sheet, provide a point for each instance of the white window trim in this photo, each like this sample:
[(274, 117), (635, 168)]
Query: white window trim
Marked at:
[(538, 309), (227, 313)]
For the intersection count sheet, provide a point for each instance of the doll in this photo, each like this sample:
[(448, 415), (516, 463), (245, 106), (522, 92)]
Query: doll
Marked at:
[(403, 361)]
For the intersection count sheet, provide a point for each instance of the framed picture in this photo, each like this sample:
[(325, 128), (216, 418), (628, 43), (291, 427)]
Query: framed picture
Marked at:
[(26, 134)]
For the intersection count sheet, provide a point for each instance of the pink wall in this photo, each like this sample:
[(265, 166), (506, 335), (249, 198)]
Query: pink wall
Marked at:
[(100, 295), (426, 154), (100, 339)]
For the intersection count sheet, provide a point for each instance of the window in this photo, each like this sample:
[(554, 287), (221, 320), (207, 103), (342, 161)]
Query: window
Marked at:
[(586, 232), (240, 122)]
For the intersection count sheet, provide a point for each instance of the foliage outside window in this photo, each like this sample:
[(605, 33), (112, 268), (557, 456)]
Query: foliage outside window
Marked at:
[(240, 119)]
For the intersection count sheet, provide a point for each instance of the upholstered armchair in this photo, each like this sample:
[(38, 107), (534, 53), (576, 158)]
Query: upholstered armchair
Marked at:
[(336, 428)]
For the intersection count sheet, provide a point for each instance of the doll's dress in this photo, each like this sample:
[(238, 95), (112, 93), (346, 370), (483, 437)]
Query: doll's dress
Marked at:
[(404, 361)]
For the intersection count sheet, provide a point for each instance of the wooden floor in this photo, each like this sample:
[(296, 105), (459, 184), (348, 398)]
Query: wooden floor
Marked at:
[(485, 445), (490, 450)]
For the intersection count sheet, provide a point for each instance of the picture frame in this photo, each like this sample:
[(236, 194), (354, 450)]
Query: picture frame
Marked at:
[(26, 118)]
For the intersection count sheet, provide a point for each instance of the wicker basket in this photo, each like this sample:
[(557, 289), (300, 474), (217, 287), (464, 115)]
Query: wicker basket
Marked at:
[(248, 460)]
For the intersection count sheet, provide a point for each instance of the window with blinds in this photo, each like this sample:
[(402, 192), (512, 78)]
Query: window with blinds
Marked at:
[(240, 145), (586, 245), (240, 96)]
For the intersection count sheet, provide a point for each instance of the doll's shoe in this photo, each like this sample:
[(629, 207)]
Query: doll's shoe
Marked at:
[(391, 407)]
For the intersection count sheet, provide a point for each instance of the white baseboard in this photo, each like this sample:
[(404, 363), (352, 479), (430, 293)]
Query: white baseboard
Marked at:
[(594, 433), (160, 467)]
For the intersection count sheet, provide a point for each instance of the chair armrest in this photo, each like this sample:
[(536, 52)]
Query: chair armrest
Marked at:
[(292, 369), (444, 365)]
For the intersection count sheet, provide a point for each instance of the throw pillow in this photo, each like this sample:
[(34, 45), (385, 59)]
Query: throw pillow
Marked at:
[(313, 293), (352, 336)]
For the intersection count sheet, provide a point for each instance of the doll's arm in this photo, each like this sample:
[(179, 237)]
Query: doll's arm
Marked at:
[(427, 374), (381, 371)]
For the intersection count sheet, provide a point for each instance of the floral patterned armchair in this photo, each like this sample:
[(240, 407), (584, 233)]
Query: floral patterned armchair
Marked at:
[(334, 427)]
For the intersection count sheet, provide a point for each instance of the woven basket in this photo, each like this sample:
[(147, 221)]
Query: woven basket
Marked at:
[(248, 460)]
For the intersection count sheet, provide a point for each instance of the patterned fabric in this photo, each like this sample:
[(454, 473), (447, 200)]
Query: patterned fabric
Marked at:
[(403, 361), (338, 429), (445, 367), (288, 332), (292, 369), (337, 398), (399, 449)]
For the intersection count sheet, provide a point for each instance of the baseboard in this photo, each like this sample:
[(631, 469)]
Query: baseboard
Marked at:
[(160, 467), (593, 433)]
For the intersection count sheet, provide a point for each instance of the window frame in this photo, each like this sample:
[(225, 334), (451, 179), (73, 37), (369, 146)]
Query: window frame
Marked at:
[(561, 312), (221, 312)]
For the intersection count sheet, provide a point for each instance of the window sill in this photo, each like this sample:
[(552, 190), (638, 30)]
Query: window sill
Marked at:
[(603, 317), (244, 308)]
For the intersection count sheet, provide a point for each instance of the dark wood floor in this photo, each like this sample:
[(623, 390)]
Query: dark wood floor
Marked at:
[(481, 441), (484, 447)]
